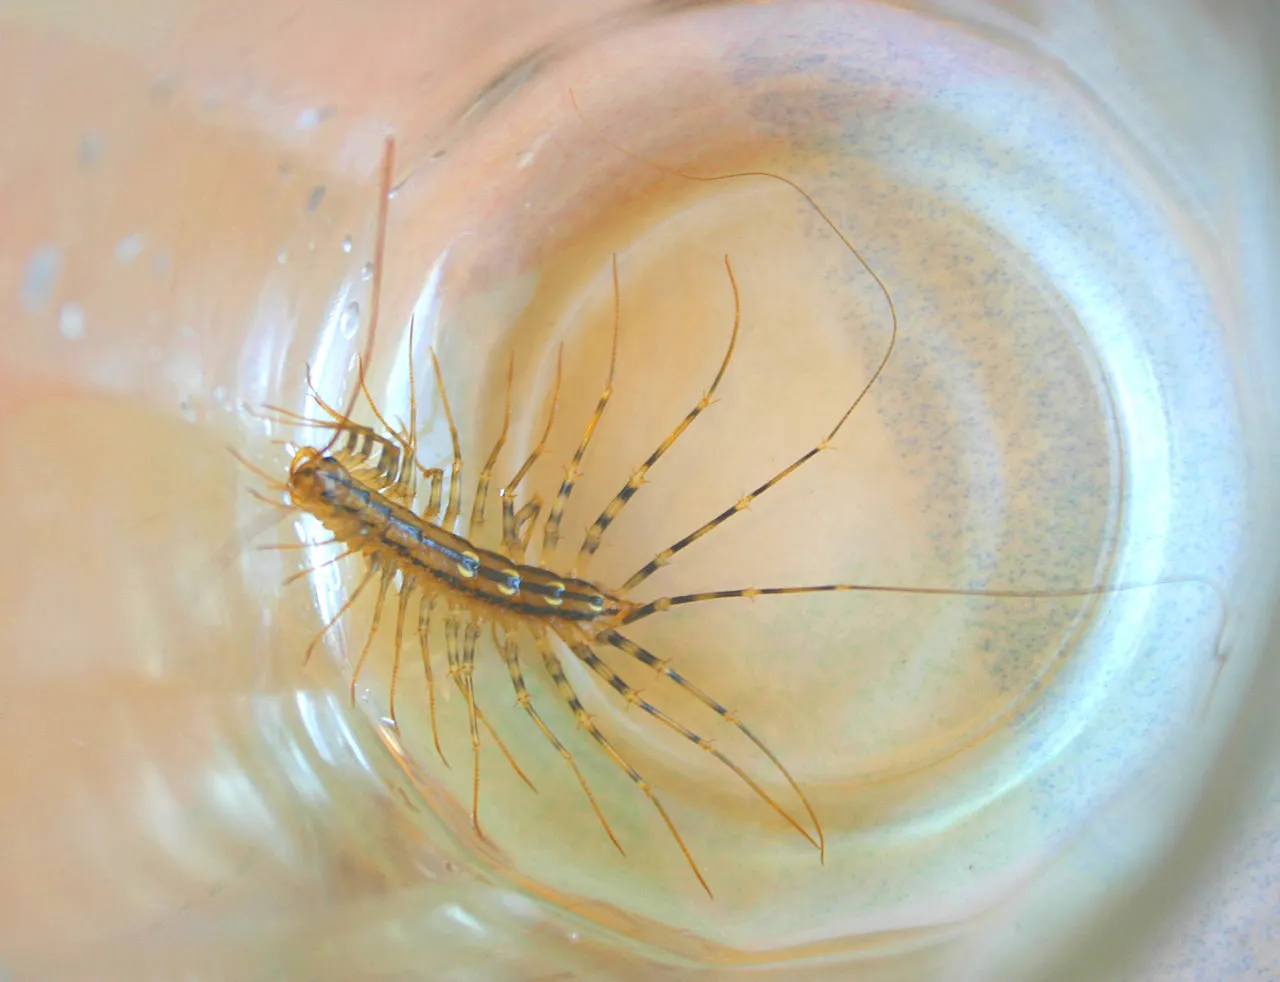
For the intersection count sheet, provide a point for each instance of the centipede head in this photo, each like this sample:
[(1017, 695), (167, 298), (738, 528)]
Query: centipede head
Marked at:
[(305, 456)]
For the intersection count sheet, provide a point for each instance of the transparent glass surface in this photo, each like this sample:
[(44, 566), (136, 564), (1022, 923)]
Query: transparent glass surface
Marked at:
[(1039, 244)]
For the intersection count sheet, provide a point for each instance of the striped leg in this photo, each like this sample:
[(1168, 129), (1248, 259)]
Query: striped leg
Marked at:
[(585, 721), (646, 657), (454, 507), (425, 606), (551, 533), (486, 473), (509, 649), (611, 511), (633, 698), (461, 669)]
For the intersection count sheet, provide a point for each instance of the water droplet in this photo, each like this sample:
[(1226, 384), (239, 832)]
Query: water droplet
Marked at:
[(282, 256), (188, 410), (220, 396), (130, 247), (316, 196), (350, 322), (71, 321), (366, 271), (163, 87), (40, 277), (309, 119), (90, 149), (347, 244)]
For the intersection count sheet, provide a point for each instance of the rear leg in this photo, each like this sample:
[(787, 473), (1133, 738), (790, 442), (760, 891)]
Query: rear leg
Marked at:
[(425, 607), (462, 668), (484, 720), (633, 698), (508, 648), (586, 722), (647, 658), (461, 654), (406, 591)]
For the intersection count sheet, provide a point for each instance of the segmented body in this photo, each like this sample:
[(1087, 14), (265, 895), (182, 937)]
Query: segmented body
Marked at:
[(389, 532)]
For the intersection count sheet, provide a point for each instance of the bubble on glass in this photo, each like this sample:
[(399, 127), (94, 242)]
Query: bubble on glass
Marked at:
[(282, 256), (130, 247), (163, 87), (90, 149), (315, 198), (349, 323), (366, 271), (71, 321), (531, 152), (347, 244), (40, 277), (309, 119)]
